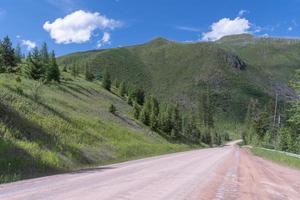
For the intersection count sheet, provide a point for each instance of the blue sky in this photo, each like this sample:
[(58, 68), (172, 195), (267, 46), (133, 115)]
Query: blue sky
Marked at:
[(77, 25)]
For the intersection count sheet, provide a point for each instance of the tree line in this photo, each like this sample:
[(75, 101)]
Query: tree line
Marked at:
[(276, 124), (39, 64), (169, 119)]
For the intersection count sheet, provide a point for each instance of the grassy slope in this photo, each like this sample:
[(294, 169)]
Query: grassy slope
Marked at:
[(277, 157), (67, 128), (179, 70)]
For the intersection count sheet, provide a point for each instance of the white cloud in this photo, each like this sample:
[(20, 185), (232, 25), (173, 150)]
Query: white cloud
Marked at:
[(29, 44), (187, 28), (243, 12), (105, 40), (290, 28), (79, 26), (225, 27)]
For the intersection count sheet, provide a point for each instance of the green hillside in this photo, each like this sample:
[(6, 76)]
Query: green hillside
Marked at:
[(235, 67), (52, 128)]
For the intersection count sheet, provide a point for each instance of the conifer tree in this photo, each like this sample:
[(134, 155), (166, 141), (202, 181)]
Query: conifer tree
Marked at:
[(136, 111), (112, 109), (53, 72), (8, 55), (122, 89), (89, 76), (2, 69), (44, 54), (18, 54), (35, 69), (74, 71), (144, 116), (176, 121), (106, 83)]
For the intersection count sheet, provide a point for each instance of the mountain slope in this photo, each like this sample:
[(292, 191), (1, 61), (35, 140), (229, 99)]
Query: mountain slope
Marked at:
[(235, 68), (46, 129)]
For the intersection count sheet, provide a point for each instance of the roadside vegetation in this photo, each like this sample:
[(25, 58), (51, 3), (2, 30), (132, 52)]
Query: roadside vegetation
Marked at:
[(274, 125), (277, 157), (55, 119)]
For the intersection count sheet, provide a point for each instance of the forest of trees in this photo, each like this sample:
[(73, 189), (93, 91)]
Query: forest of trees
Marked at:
[(39, 64), (275, 125), (168, 119)]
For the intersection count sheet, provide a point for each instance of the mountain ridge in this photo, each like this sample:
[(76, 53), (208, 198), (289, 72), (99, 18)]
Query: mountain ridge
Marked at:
[(234, 66)]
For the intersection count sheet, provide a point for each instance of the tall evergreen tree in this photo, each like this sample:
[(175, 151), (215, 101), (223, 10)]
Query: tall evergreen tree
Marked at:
[(122, 89), (2, 69), (74, 70), (18, 53), (106, 82), (136, 111), (35, 69), (176, 122), (44, 54), (207, 109), (89, 76), (53, 72), (8, 55)]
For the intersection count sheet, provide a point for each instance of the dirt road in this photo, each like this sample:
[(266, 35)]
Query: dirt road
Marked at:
[(219, 173)]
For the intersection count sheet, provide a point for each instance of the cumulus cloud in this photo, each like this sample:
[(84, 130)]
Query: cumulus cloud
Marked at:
[(104, 40), (79, 26), (290, 28), (225, 27), (29, 44)]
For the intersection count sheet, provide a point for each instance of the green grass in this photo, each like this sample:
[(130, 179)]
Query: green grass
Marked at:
[(67, 126), (277, 157)]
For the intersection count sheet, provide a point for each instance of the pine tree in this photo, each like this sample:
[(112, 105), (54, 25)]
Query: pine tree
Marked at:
[(112, 109), (176, 121), (122, 89), (53, 72), (262, 124), (106, 83), (207, 109), (165, 119), (153, 121), (136, 111), (73, 71), (129, 101), (44, 54), (35, 69), (2, 69), (65, 69), (8, 55), (18, 54), (140, 96), (89, 76), (144, 116)]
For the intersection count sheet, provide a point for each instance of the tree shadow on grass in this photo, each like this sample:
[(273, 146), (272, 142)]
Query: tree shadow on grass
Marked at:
[(26, 130), (16, 164), (77, 89), (68, 91), (49, 108)]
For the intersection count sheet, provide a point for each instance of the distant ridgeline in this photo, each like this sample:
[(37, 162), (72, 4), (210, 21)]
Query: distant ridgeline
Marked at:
[(235, 68)]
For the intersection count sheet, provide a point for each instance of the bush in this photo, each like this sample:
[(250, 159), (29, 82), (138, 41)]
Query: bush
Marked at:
[(112, 109), (36, 91)]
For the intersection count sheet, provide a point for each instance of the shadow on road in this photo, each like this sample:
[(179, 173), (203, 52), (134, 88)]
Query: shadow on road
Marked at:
[(92, 170)]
